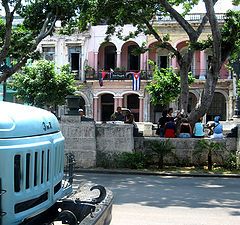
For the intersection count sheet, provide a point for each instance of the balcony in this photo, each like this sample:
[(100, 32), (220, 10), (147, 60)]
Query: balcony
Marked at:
[(120, 75), (193, 17), (200, 74)]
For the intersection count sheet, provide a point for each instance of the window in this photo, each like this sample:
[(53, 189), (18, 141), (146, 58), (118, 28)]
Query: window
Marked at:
[(162, 59), (48, 53), (75, 57)]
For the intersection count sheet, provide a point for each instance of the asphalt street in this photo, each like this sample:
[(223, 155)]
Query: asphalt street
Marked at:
[(156, 200)]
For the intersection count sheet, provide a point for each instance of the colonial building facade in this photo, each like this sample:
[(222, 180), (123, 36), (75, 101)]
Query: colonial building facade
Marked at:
[(91, 58)]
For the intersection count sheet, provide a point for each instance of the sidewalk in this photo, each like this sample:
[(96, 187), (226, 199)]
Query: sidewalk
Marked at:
[(152, 173)]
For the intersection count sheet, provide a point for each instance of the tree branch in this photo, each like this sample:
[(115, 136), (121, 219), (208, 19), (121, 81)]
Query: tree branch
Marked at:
[(7, 41), (164, 45), (192, 34), (216, 34)]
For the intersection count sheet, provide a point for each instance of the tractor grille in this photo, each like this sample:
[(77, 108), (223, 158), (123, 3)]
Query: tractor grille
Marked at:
[(31, 169)]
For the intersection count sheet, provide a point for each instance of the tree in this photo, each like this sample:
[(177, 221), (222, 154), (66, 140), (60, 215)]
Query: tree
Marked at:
[(161, 149), (141, 13), (210, 148), (39, 17), (40, 84), (165, 86)]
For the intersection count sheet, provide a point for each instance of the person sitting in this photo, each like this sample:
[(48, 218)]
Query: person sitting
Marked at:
[(117, 116), (185, 129), (170, 128), (199, 129), (216, 128), (161, 123), (129, 117)]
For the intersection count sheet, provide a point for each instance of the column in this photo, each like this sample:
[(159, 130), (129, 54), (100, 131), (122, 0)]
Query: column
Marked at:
[(95, 108), (202, 65), (142, 62), (146, 57), (96, 61), (118, 59), (115, 103), (140, 109), (174, 62), (120, 102)]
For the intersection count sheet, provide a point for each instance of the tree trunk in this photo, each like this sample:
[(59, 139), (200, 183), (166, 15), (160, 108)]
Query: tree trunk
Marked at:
[(210, 164), (184, 89)]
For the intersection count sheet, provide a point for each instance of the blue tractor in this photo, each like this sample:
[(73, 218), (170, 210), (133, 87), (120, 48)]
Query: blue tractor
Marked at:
[(32, 189)]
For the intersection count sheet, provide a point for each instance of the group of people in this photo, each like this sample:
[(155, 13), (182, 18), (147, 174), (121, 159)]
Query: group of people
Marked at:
[(171, 126), (118, 116)]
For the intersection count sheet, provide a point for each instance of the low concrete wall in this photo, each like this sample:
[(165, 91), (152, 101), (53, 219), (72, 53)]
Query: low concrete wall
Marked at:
[(114, 137), (80, 139), (185, 148), (84, 139)]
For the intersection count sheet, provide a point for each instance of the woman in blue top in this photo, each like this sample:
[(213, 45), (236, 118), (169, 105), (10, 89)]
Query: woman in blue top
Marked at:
[(217, 128), (199, 129)]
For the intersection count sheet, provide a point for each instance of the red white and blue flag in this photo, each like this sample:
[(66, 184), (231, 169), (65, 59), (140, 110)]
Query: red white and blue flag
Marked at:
[(136, 81), (101, 76)]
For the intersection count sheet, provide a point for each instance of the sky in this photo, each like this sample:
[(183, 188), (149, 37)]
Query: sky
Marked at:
[(220, 7)]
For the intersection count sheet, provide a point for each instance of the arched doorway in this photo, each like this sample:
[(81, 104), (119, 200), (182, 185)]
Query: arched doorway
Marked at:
[(133, 60), (110, 57), (107, 106), (217, 107), (192, 101), (133, 105), (74, 103)]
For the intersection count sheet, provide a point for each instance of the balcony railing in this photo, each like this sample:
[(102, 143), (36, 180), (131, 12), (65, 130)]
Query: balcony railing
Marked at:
[(193, 17), (119, 75), (147, 75)]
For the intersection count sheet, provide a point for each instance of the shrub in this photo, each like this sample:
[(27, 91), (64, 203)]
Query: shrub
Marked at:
[(231, 161), (160, 150), (210, 148)]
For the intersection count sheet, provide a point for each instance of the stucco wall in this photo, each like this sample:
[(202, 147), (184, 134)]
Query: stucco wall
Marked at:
[(185, 148), (114, 138), (84, 139), (80, 139)]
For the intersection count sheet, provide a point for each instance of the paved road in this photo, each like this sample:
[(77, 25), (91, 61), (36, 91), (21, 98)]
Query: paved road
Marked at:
[(152, 200)]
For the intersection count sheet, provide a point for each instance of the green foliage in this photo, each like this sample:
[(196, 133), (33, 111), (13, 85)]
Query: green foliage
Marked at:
[(131, 160), (210, 148), (231, 162), (42, 84), (165, 86), (161, 149)]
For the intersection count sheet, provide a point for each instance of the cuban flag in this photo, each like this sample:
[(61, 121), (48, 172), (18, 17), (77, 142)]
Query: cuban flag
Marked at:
[(101, 76), (136, 81)]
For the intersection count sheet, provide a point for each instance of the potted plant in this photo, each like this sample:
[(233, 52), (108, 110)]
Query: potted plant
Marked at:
[(89, 71)]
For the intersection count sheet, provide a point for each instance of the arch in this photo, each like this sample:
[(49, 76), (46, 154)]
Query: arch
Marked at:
[(107, 56), (131, 92), (104, 92), (107, 106), (218, 106), (87, 105), (159, 55), (132, 102), (181, 43), (129, 61)]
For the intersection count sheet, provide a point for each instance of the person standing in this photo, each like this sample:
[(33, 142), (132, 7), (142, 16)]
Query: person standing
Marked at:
[(161, 123), (117, 116)]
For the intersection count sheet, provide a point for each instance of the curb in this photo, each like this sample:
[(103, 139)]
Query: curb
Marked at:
[(144, 173)]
